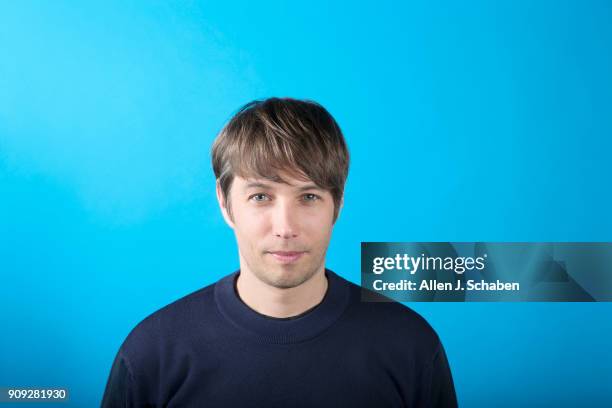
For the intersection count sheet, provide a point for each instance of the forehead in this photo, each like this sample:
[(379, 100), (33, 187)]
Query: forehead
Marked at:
[(285, 183)]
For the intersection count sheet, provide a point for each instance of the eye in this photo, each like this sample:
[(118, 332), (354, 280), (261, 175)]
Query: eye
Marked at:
[(311, 197), (258, 197)]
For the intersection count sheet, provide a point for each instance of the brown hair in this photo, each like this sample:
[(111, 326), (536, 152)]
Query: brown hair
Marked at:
[(282, 135)]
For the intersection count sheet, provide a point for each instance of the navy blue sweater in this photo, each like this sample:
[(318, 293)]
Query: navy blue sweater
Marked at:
[(209, 349)]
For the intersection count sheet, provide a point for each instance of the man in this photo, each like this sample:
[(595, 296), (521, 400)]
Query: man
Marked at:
[(282, 331)]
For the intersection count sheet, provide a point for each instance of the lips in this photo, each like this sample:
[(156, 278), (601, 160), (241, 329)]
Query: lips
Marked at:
[(286, 256)]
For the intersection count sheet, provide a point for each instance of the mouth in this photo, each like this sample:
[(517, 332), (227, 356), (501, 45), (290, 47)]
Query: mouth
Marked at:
[(286, 257)]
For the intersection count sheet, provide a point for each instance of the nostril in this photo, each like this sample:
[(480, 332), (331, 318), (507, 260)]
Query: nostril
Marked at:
[(285, 235)]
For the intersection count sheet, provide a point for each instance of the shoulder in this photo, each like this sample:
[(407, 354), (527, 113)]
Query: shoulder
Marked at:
[(154, 345), (170, 324), (390, 324)]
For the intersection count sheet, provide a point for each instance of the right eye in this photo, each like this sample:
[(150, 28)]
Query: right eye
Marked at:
[(258, 197)]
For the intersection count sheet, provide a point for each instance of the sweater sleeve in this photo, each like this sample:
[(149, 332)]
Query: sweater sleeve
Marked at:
[(441, 387), (117, 392)]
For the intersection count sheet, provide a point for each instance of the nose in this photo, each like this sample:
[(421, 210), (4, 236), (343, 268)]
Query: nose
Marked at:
[(285, 221)]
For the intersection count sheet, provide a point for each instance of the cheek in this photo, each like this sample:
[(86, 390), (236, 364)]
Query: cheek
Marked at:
[(250, 230), (319, 228)]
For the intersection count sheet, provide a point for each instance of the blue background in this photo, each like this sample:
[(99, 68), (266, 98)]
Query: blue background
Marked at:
[(487, 121)]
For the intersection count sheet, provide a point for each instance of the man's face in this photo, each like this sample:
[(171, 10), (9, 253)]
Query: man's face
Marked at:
[(282, 230)]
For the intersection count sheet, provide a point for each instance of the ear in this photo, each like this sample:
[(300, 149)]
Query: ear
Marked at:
[(222, 205), (339, 208)]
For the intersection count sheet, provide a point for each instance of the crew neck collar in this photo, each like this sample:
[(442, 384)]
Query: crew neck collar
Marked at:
[(282, 330)]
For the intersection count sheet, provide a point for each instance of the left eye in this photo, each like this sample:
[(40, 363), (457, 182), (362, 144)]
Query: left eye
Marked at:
[(311, 197)]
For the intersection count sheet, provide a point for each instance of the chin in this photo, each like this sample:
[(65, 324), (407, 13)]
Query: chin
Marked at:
[(288, 282), (287, 278)]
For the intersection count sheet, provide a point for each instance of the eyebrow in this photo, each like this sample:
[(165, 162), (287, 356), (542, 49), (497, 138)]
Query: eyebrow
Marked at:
[(255, 184)]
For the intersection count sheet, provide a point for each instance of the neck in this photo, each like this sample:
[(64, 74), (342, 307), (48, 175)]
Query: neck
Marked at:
[(280, 302)]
